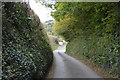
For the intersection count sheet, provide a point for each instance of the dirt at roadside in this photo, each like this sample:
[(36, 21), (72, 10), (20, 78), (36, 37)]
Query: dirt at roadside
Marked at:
[(51, 71)]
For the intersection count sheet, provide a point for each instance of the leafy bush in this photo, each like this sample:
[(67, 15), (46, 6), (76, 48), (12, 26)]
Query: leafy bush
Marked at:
[(26, 51)]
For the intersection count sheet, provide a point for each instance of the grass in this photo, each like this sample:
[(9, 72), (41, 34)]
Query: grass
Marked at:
[(53, 44)]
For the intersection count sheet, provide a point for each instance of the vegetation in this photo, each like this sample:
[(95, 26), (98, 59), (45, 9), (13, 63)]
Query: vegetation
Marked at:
[(52, 37), (48, 27), (92, 30), (26, 51), (53, 42)]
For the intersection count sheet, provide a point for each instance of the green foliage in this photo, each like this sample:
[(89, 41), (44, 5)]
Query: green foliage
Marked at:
[(93, 30), (49, 27), (65, 27), (26, 53), (53, 42)]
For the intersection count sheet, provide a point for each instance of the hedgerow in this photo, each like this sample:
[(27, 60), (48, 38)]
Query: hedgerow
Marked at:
[(26, 53)]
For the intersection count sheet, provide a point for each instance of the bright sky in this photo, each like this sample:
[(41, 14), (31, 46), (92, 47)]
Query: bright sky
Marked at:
[(42, 11)]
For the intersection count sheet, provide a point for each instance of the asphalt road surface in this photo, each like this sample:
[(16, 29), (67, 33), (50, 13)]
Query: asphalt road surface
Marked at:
[(69, 67)]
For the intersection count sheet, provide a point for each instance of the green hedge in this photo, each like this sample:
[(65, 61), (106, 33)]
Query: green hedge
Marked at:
[(26, 53), (101, 51)]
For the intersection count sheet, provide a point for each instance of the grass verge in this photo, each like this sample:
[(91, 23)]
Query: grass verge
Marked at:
[(53, 44)]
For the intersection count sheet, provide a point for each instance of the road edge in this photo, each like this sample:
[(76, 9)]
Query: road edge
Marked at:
[(100, 71)]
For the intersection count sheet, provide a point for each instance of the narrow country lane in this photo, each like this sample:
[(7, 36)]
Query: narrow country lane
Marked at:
[(68, 67)]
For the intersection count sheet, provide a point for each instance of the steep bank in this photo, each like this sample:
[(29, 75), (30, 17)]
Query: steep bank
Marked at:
[(26, 51)]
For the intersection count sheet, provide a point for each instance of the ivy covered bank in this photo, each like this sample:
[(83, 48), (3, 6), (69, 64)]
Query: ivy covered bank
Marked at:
[(26, 53)]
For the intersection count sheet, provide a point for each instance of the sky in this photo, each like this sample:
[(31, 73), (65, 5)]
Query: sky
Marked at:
[(42, 11)]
